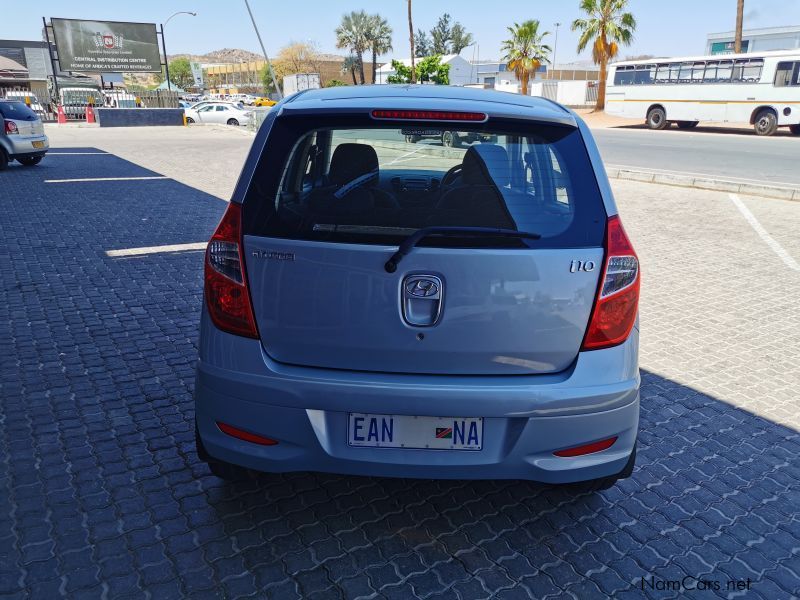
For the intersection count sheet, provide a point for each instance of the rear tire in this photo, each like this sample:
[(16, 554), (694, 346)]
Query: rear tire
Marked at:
[(233, 122), (450, 139), (687, 124), (604, 483), (30, 161), (795, 129), (3, 160), (220, 468), (766, 122), (657, 118), (189, 120)]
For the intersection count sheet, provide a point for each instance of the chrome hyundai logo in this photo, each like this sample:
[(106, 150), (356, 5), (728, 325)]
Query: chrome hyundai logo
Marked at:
[(422, 288)]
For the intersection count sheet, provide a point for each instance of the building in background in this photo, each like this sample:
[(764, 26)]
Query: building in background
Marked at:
[(755, 40), (25, 66)]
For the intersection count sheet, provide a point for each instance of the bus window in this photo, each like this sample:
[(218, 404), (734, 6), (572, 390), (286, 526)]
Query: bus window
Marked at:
[(674, 72), (685, 73), (644, 74), (662, 74), (624, 75), (747, 71), (697, 72), (787, 74), (724, 71), (710, 75)]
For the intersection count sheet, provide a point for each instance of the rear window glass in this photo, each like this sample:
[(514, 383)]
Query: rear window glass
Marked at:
[(378, 185), (17, 111)]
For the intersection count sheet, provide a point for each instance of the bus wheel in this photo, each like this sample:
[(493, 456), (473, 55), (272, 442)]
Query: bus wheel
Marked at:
[(657, 118), (795, 129), (687, 124), (766, 122)]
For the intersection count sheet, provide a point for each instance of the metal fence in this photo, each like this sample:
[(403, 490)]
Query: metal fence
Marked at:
[(591, 93)]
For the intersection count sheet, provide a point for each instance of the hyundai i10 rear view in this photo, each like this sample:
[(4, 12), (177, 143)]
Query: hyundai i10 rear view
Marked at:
[(380, 303)]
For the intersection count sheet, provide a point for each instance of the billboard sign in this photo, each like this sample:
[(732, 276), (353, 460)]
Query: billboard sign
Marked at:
[(197, 73), (106, 46)]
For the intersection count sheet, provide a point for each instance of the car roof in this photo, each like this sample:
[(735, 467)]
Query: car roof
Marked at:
[(430, 97)]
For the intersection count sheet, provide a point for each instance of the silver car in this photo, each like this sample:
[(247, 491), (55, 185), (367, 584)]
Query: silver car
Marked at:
[(225, 113), (22, 137), (378, 307)]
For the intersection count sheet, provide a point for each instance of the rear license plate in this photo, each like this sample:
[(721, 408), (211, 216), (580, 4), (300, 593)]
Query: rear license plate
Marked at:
[(38, 144), (403, 431)]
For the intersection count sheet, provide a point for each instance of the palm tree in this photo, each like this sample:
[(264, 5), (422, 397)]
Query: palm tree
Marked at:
[(411, 41), (607, 27), (524, 51), (380, 39), (349, 65), (737, 44), (352, 33)]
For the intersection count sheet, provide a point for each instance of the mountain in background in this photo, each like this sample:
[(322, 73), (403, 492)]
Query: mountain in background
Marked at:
[(225, 55)]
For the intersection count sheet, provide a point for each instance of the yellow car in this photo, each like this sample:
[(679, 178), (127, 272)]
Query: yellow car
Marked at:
[(264, 102)]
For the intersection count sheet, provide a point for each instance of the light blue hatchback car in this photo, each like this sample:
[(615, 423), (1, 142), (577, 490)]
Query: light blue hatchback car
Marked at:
[(380, 303)]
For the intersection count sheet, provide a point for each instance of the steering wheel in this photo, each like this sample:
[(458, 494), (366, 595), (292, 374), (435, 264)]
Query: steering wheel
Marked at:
[(452, 174)]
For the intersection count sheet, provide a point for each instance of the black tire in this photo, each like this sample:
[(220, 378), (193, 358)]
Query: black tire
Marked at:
[(687, 124), (189, 120), (450, 139), (30, 161), (657, 118), (795, 129), (604, 483), (3, 160), (220, 468), (766, 122), (412, 139), (233, 122)]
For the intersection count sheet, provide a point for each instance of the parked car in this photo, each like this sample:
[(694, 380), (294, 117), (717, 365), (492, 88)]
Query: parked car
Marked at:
[(448, 138), (22, 138), (229, 113), (264, 102), (377, 308)]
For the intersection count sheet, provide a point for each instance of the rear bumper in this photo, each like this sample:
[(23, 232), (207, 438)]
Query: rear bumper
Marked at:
[(23, 147), (526, 418)]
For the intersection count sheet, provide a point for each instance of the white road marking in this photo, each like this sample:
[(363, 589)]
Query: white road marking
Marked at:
[(155, 249), (768, 239), (51, 153), (707, 175), (105, 179)]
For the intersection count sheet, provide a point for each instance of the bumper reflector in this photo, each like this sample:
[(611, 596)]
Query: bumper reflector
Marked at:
[(245, 435), (587, 448)]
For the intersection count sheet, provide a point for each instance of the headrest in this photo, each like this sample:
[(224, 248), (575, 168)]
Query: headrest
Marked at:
[(351, 161), (486, 164)]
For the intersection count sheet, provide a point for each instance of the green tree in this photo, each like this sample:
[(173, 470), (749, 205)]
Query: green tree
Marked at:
[(440, 35), (379, 37), (422, 44), (524, 51), (459, 38), (335, 83), (428, 70), (349, 65), (352, 33), (607, 26), (266, 80), (402, 73), (180, 73)]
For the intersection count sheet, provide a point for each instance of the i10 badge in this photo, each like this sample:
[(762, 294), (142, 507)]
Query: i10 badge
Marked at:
[(414, 432)]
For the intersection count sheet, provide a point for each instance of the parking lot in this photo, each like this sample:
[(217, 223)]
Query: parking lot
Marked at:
[(103, 496)]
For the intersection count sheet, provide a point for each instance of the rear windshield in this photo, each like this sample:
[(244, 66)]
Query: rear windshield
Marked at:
[(17, 111), (377, 185)]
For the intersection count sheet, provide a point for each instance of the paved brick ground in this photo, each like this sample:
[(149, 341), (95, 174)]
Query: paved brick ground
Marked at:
[(102, 496)]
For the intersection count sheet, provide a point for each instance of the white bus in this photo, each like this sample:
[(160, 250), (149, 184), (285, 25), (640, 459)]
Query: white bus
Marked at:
[(762, 89)]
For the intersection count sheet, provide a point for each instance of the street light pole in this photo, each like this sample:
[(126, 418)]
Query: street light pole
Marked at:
[(555, 46), (264, 51), (164, 44)]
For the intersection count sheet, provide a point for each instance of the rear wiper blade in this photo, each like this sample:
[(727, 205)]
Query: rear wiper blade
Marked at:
[(411, 241)]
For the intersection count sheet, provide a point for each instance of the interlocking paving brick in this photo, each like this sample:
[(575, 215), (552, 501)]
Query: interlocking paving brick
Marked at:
[(102, 495)]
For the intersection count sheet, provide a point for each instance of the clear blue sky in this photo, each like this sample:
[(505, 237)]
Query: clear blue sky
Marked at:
[(671, 27)]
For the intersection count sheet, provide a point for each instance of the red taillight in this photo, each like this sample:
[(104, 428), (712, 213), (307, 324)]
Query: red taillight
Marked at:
[(11, 127), (429, 115), (245, 435), (587, 448), (227, 296), (617, 302)]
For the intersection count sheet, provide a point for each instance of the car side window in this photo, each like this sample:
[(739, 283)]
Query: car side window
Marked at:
[(221, 108)]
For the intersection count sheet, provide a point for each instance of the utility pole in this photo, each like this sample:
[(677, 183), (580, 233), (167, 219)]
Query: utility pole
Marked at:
[(737, 44), (264, 51), (555, 48)]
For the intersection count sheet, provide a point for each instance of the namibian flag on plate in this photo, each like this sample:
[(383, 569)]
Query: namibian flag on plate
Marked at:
[(444, 433)]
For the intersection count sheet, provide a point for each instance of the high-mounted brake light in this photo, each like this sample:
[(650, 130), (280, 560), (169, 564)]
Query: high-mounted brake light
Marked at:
[(617, 303), (227, 296), (11, 127), (429, 115)]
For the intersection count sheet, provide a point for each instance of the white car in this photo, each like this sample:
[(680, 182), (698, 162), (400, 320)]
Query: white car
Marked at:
[(228, 113)]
